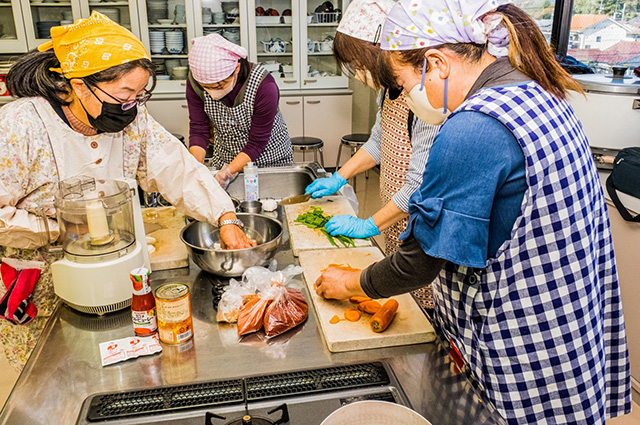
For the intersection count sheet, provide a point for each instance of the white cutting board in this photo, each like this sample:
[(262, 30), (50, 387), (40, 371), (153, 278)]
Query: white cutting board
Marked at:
[(409, 326), (304, 238)]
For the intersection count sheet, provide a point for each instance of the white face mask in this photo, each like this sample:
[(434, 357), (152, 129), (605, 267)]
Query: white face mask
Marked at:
[(418, 102), (219, 94)]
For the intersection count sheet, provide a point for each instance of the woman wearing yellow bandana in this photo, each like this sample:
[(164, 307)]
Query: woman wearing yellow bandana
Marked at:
[(80, 110)]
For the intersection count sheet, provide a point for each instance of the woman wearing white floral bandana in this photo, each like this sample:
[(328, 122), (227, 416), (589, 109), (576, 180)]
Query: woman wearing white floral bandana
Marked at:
[(511, 225)]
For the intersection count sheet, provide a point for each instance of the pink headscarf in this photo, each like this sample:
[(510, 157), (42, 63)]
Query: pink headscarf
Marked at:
[(213, 58)]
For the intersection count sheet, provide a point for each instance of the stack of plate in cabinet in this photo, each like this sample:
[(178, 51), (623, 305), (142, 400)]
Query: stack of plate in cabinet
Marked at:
[(156, 41), (174, 40), (157, 9)]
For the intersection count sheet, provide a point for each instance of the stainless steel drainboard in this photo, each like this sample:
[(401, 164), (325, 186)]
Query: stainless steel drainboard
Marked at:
[(110, 406)]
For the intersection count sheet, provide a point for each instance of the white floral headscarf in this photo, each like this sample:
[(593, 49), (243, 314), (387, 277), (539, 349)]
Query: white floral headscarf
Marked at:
[(417, 24)]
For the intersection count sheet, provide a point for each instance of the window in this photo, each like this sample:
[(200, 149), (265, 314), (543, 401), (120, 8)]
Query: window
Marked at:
[(605, 33), (541, 12)]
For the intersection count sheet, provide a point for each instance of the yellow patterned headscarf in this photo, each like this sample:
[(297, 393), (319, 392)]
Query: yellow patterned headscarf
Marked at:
[(92, 45)]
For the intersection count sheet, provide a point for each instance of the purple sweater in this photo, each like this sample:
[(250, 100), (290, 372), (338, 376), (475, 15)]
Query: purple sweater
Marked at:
[(264, 112)]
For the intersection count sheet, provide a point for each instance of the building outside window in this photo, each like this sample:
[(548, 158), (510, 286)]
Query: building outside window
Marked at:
[(602, 33), (605, 33)]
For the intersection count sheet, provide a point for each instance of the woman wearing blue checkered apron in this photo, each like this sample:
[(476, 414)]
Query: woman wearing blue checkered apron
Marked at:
[(510, 222), (236, 102)]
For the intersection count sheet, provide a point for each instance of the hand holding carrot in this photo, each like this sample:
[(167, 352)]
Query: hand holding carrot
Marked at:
[(340, 284)]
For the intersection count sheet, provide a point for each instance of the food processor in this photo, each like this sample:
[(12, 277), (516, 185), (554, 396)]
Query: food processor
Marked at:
[(103, 239)]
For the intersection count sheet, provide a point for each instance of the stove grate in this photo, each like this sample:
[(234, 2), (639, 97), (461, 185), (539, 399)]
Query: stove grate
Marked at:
[(317, 380), (164, 399), (210, 394)]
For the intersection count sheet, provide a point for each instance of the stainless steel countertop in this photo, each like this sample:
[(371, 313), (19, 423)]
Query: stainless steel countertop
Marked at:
[(64, 368)]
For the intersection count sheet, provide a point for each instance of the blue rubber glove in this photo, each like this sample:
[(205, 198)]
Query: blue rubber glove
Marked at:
[(351, 226), (325, 186)]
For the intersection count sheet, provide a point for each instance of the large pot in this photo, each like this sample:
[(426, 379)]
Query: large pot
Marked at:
[(203, 243), (372, 412)]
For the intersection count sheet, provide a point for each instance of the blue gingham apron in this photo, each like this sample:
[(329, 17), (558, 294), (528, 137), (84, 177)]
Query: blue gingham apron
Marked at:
[(541, 327)]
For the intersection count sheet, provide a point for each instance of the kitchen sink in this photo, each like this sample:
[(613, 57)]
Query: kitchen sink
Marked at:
[(280, 182)]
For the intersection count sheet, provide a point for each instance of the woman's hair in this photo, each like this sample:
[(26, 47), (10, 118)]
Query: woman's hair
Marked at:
[(353, 54), (529, 53), (30, 76), (245, 68)]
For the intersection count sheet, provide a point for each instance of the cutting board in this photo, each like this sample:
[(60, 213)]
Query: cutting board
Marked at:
[(409, 326), (164, 224), (304, 238)]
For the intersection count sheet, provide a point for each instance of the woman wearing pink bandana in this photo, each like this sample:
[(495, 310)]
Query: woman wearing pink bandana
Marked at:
[(510, 224), (237, 102)]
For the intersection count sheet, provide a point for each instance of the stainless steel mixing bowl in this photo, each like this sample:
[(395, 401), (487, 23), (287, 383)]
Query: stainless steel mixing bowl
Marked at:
[(203, 243)]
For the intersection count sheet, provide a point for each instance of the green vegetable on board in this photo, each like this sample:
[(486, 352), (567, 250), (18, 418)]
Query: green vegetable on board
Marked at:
[(316, 219)]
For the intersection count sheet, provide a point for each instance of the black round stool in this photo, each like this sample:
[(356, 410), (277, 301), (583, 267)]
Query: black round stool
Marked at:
[(305, 143), (353, 142)]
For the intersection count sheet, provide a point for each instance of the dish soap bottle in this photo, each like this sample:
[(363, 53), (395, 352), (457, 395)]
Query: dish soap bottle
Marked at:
[(251, 182)]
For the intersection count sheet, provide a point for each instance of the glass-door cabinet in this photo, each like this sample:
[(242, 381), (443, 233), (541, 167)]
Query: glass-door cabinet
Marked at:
[(123, 12), (166, 26), (12, 34), (319, 68), (274, 38), (41, 15), (224, 17)]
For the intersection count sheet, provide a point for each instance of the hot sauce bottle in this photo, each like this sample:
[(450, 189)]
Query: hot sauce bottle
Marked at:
[(143, 305)]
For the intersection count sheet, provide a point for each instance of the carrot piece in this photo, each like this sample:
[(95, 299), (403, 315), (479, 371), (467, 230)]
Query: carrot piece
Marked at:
[(346, 268), (370, 306), (382, 319), (358, 300), (335, 319), (352, 315)]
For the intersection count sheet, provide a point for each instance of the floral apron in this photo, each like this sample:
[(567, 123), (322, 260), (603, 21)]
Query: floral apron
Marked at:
[(66, 145)]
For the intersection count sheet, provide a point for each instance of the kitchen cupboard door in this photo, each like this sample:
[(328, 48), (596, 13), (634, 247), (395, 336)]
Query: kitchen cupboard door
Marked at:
[(626, 244), (172, 115), (319, 68), (292, 112), (274, 39), (329, 118), (13, 38), (123, 12), (39, 16)]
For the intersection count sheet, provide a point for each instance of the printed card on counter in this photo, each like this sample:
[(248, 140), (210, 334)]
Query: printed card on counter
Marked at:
[(119, 350)]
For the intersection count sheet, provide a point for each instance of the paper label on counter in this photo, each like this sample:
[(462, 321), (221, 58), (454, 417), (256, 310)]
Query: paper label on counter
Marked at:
[(119, 350)]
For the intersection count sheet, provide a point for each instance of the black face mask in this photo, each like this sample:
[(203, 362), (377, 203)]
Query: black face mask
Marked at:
[(112, 119)]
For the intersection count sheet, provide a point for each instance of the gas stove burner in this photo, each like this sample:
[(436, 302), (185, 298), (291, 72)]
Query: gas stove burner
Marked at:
[(248, 419)]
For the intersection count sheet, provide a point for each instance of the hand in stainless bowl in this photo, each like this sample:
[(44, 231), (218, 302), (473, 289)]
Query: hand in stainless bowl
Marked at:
[(203, 243)]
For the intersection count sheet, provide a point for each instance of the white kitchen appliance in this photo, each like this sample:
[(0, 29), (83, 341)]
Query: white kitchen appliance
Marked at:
[(610, 111), (103, 239)]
